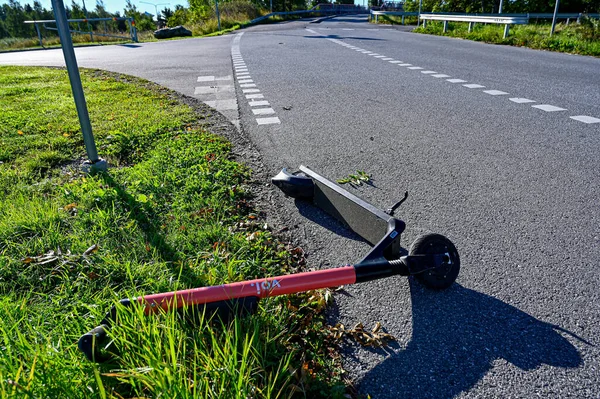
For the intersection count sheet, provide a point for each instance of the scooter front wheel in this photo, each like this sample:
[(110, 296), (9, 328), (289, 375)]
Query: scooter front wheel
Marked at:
[(444, 275)]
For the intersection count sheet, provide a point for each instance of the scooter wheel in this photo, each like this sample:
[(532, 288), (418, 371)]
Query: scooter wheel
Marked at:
[(443, 276)]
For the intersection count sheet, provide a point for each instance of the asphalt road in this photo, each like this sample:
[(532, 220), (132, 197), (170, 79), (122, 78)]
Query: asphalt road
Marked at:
[(513, 183)]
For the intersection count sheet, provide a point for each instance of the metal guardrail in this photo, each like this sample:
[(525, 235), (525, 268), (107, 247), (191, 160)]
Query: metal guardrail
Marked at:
[(132, 29), (472, 19), (560, 15), (402, 14), (566, 16)]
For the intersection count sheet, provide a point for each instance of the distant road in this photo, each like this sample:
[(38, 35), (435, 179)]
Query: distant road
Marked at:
[(498, 147)]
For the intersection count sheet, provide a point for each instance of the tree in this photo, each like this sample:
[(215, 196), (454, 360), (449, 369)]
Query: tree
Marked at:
[(166, 13), (142, 21)]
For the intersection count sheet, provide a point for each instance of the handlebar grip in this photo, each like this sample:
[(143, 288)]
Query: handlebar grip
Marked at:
[(90, 342)]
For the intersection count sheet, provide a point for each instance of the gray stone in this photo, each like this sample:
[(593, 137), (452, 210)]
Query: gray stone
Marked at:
[(172, 32)]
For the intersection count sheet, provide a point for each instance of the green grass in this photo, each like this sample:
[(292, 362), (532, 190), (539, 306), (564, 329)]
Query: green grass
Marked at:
[(574, 38), (171, 213)]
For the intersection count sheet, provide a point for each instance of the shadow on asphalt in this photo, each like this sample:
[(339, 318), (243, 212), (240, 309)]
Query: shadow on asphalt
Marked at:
[(129, 45), (457, 336)]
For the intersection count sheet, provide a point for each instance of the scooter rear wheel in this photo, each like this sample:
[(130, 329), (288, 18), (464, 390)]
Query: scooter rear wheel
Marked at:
[(443, 276)]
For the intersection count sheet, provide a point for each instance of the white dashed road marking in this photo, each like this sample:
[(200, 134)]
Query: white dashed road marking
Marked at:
[(519, 100), (210, 78), (258, 103), (495, 92), (253, 95), (263, 111), (223, 105), (268, 121), (548, 108), (585, 119), (474, 86)]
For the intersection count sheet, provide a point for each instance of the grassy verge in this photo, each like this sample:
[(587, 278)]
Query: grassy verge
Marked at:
[(171, 213), (393, 20), (574, 38)]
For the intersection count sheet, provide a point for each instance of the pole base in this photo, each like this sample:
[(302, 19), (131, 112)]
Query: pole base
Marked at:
[(89, 167)]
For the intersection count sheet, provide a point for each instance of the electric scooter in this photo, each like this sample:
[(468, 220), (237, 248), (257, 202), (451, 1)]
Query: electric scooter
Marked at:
[(433, 260)]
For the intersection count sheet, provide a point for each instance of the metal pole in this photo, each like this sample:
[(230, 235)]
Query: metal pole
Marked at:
[(37, 29), (88, 22), (419, 16), (218, 15), (271, 6), (554, 18), (500, 8), (71, 62)]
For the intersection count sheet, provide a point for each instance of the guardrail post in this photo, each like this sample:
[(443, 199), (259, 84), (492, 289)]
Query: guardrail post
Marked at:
[(471, 25), (424, 23), (376, 18), (554, 17), (506, 28), (133, 30), (445, 26), (37, 29), (403, 20)]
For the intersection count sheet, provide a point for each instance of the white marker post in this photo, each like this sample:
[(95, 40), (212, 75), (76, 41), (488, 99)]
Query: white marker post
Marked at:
[(76, 87)]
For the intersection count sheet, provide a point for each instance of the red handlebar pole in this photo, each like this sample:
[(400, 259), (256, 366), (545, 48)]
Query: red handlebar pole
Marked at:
[(259, 288)]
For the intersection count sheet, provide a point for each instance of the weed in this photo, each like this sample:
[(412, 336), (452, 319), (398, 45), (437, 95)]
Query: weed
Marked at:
[(574, 38), (356, 179)]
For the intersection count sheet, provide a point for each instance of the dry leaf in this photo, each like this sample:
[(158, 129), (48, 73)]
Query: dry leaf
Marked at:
[(91, 250)]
